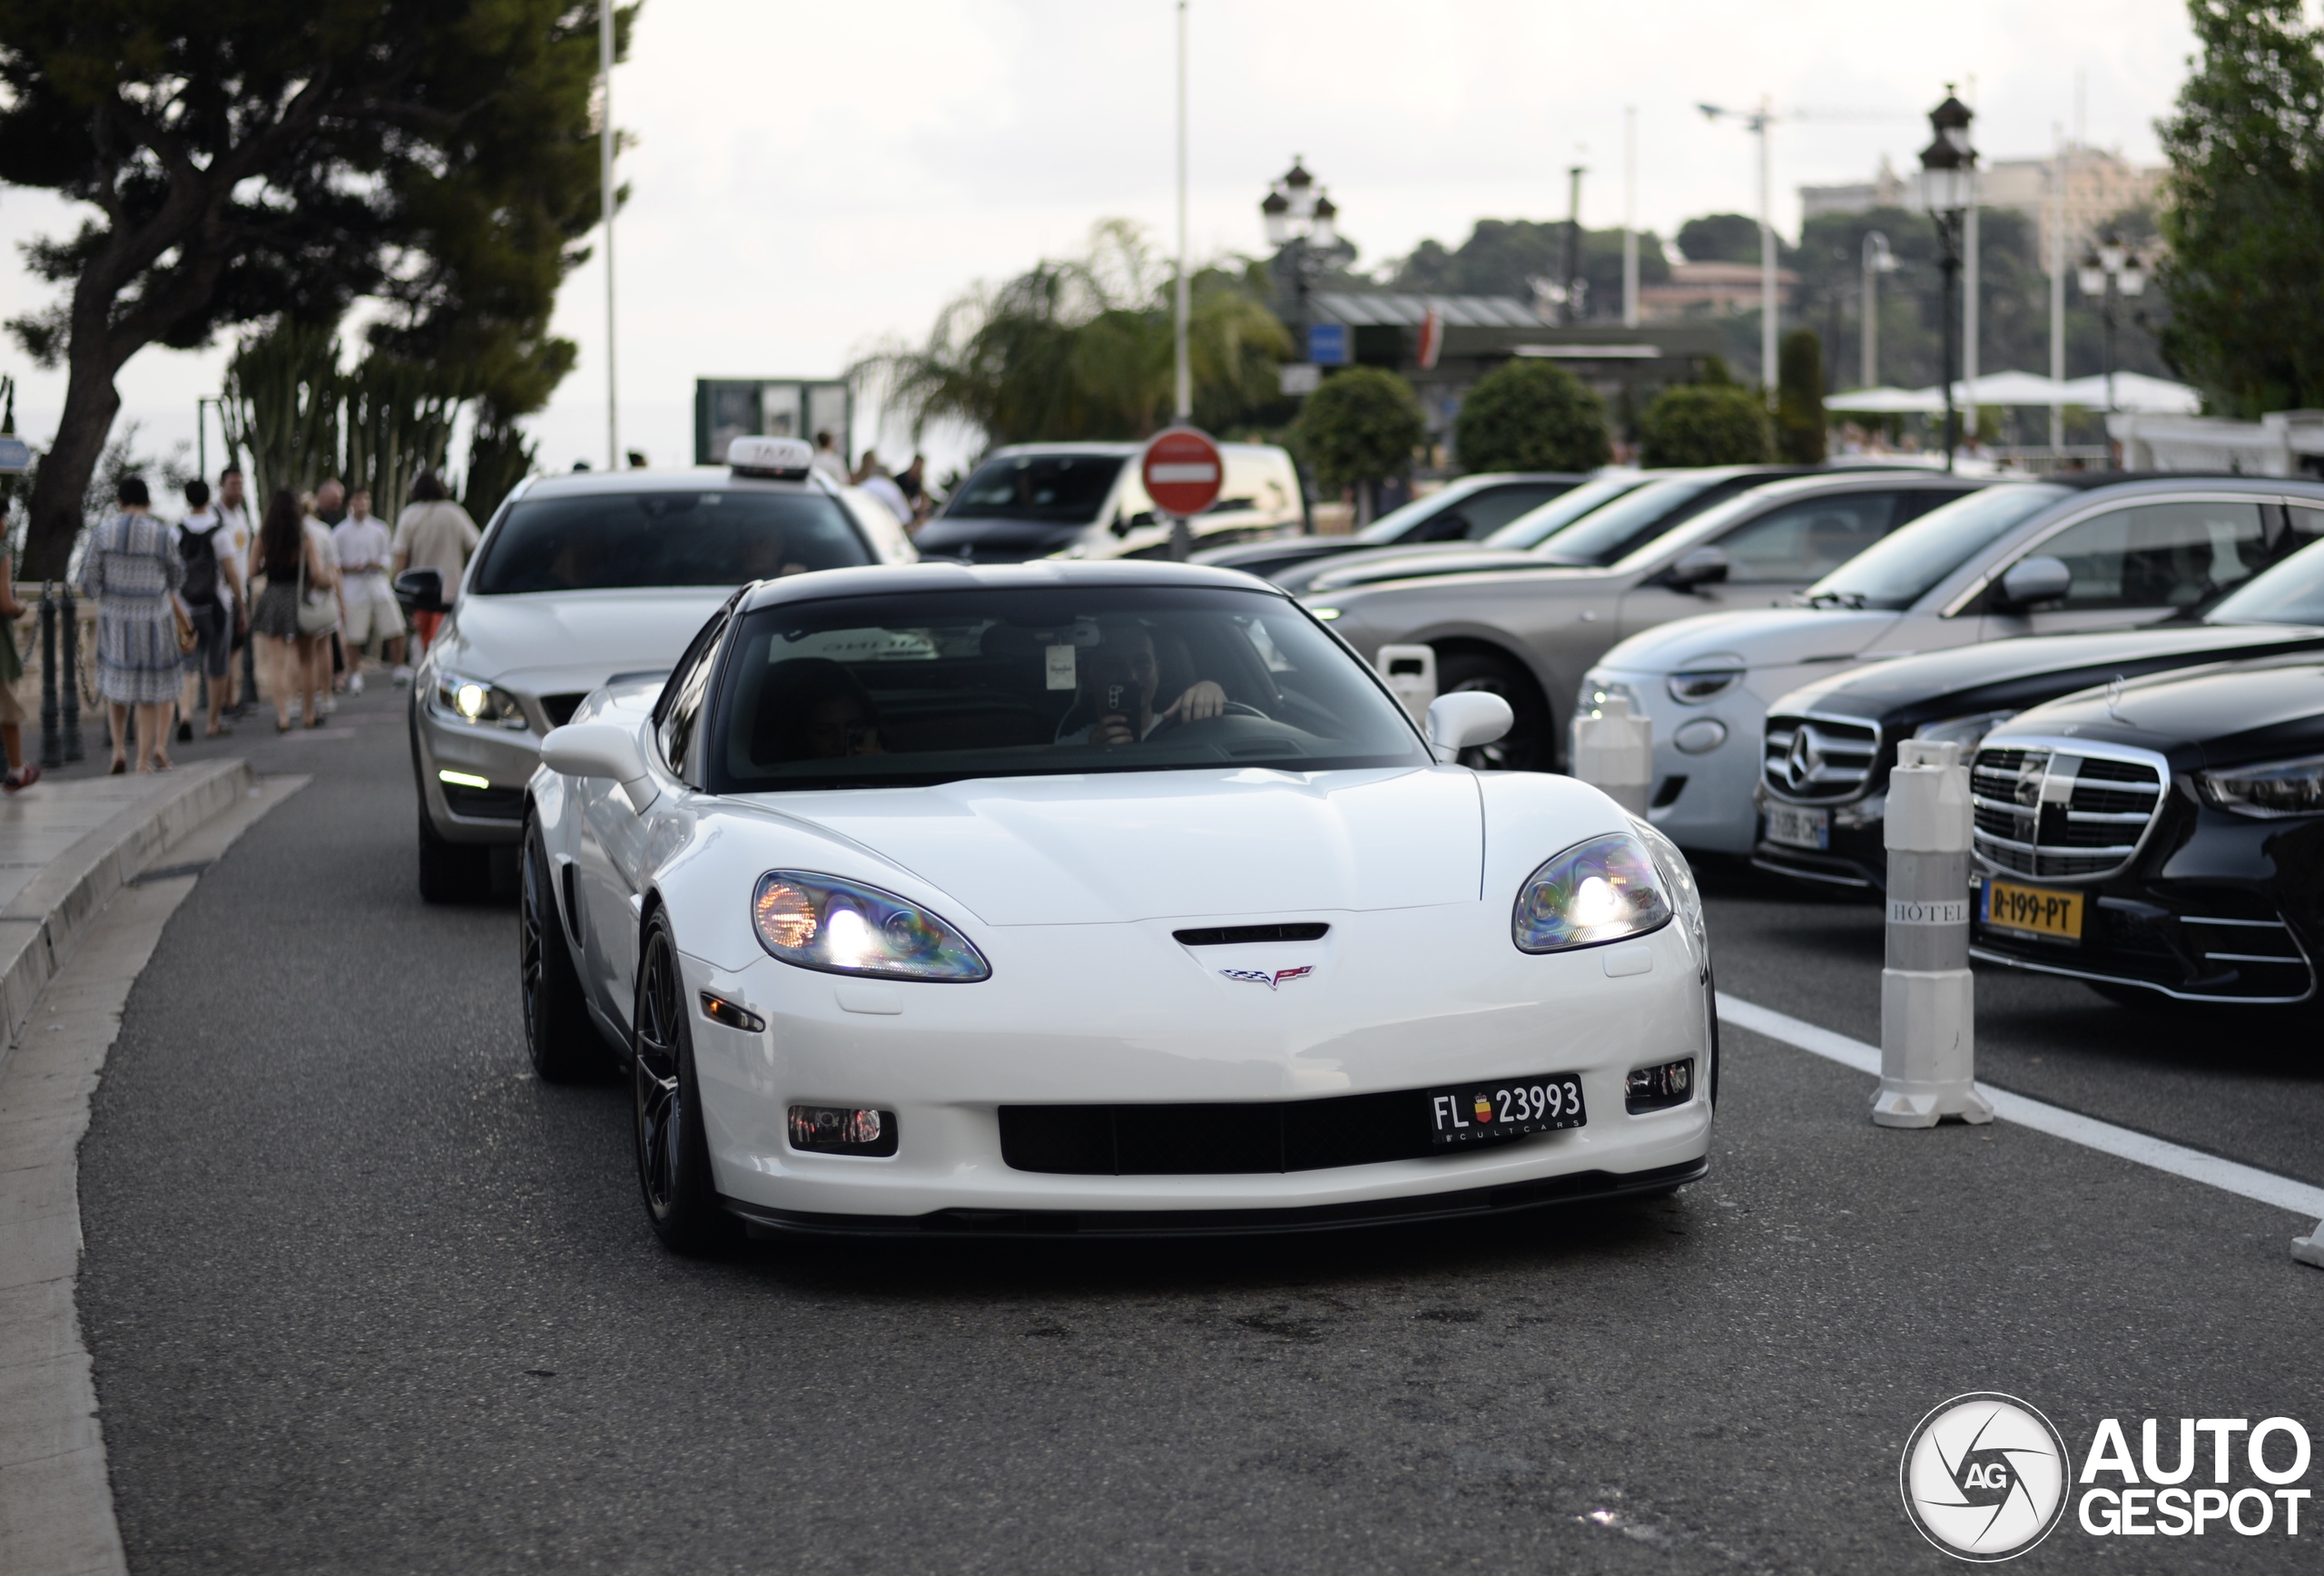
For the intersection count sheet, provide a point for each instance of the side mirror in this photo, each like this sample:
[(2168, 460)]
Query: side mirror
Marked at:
[(2032, 580), (1702, 566), (594, 749), (1466, 719), (421, 591)]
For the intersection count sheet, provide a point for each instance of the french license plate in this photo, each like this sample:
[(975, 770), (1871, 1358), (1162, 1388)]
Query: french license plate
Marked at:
[(2033, 911), (1798, 826), (1509, 1109)]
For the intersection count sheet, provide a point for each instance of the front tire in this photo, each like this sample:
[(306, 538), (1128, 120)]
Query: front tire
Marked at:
[(1530, 743), (673, 1150), (558, 1035)]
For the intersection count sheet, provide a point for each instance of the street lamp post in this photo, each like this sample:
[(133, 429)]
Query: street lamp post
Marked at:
[(1949, 177), (1303, 226), (1877, 260), (1758, 122), (2109, 273)]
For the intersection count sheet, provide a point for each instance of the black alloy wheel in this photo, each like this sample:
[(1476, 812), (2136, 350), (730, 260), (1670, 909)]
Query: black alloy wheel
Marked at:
[(673, 1152), (1530, 745), (558, 1035)]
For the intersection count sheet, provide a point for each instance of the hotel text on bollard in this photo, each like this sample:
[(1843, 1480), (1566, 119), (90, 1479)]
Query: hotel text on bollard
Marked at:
[(1928, 1060), (1614, 752)]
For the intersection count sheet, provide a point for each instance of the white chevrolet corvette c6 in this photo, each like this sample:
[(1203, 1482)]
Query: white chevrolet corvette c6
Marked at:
[(1106, 899)]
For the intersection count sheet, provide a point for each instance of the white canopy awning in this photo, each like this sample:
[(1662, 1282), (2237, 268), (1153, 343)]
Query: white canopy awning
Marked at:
[(1885, 402), (2133, 391)]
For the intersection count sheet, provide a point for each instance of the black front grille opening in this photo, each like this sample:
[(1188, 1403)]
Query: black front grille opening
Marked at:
[(560, 708), (484, 803), (1244, 935), (1217, 1140), (1667, 793)]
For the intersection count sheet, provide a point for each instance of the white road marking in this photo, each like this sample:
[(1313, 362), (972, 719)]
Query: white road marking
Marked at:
[(2230, 1176)]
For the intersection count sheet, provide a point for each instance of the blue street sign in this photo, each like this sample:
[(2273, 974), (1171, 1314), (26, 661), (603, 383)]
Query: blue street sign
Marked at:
[(15, 457), (1328, 344)]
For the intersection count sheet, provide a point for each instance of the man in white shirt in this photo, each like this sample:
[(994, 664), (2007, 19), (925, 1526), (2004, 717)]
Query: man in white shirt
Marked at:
[(829, 460), (364, 546)]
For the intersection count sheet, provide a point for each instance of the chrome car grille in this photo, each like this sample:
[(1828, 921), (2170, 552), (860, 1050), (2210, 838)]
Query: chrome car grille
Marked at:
[(1818, 760), (2063, 809)]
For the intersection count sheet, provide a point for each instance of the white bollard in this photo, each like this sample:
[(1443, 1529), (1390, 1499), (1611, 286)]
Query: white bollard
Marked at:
[(1410, 675), (2309, 1249), (1614, 752), (1928, 1006)]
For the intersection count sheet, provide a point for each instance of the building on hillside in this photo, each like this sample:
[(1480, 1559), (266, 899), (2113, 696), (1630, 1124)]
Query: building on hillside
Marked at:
[(1712, 289), (2098, 184), (1480, 333)]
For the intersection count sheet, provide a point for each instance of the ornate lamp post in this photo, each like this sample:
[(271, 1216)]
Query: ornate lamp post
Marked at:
[(1948, 185), (1303, 226), (2109, 272)]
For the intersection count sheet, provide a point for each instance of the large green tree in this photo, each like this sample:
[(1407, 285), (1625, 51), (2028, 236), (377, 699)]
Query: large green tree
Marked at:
[(265, 159), (2244, 216), (1530, 415)]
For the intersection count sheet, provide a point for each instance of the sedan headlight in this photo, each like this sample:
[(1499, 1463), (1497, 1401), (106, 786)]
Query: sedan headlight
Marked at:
[(1702, 685), (1604, 890), (841, 927), (469, 700), (2269, 792), (1967, 732)]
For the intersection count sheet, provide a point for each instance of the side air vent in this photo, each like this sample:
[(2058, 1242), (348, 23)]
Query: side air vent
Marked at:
[(1243, 935)]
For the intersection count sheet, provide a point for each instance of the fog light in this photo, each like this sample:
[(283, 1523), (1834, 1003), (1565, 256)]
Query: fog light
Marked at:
[(1655, 1089), (839, 1130)]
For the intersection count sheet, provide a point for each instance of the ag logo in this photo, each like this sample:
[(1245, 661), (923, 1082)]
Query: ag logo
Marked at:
[(1984, 1477)]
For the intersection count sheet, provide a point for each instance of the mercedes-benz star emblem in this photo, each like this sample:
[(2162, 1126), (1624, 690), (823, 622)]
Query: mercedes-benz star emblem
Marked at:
[(1804, 761)]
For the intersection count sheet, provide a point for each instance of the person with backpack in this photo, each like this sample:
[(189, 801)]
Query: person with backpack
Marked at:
[(211, 592)]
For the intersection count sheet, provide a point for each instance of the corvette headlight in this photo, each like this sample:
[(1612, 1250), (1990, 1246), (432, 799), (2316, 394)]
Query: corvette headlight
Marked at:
[(1604, 890), (469, 700), (2269, 792), (841, 927), (1702, 685), (1967, 732)]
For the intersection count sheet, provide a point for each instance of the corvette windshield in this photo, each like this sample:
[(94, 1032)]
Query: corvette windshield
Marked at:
[(611, 541), (933, 686), (1900, 569)]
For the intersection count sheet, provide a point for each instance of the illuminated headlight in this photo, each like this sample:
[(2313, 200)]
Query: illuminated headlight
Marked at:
[(469, 700), (1604, 890), (1703, 685), (2269, 792), (1967, 732), (818, 922)]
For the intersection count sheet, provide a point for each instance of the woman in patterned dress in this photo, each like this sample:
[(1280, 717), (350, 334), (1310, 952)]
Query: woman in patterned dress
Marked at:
[(131, 571)]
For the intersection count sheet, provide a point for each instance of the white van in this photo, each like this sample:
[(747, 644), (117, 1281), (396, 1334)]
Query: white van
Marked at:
[(1084, 500)]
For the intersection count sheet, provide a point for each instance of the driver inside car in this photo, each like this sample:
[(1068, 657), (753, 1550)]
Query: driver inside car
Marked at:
[(1119, 681)]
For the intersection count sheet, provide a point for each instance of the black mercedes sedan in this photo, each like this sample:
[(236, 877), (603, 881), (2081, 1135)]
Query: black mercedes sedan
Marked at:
[(1822, 803), (2160, 838)]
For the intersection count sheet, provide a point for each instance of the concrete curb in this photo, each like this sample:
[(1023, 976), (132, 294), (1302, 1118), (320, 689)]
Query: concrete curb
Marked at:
[(39, 927)]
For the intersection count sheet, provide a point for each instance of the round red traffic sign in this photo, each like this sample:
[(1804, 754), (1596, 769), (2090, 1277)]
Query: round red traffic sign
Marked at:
[(1182, 472)]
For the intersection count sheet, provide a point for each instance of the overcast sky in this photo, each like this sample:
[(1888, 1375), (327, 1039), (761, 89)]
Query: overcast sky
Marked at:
[(813, 179)]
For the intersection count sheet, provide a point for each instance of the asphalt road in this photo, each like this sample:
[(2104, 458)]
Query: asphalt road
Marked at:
[(365, 1296)]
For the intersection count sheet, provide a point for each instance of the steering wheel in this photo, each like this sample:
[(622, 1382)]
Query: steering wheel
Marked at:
[(1234, 709)]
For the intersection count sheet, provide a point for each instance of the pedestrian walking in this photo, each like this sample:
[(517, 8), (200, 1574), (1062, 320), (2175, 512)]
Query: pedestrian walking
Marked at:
[(873, 478), (829, 460), (235, 546), (322, 653), (433, 533), (215, 600), (132, 572), (295, 611), (22, 774), (366, 602)]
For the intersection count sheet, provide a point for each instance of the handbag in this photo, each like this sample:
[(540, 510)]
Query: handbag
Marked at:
[(315, 618)]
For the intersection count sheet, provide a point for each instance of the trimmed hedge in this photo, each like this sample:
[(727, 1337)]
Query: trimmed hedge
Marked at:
[(1699, 424), (1529, 415)]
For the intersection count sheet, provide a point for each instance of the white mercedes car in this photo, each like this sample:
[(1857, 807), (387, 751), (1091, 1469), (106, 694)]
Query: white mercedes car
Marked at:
[(1106, 899)]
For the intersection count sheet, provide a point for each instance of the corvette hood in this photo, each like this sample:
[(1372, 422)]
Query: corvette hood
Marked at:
[(576, 640), (1143, 845), (1765, 637)]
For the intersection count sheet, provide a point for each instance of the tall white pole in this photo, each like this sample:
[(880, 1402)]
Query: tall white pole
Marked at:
[(1186, 384), (606, 181), (1629, 217), (1767, 261), (2057, 286)]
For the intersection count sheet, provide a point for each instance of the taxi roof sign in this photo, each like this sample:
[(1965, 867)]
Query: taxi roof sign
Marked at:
[(784, 458)]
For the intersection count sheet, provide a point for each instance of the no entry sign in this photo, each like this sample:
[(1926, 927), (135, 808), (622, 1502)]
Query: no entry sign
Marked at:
[(1182, 472)]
